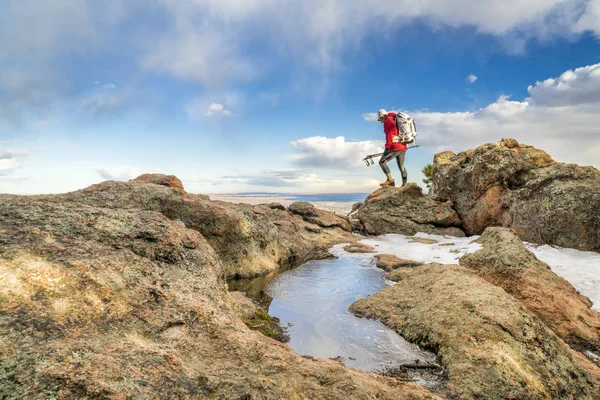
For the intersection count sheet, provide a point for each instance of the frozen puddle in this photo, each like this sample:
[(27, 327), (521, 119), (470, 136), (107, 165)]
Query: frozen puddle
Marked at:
[(314, 299)]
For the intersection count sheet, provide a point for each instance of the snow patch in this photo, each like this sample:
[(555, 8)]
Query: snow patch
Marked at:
[(447, 250), (580, 268)]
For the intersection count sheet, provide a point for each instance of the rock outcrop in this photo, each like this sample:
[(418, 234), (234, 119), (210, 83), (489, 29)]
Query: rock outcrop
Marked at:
[(313, 215), (504, 261), (405, 210), (163, 180), (250, 240), (491, 346), (389, 262), (113, 293), (518, 186)]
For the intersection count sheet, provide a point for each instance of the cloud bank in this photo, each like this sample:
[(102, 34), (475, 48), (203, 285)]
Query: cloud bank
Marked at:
[(324, 152), (8, 161), (119, 173), (207, 41)]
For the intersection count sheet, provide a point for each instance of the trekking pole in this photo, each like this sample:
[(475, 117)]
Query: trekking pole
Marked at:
[(369, 159)]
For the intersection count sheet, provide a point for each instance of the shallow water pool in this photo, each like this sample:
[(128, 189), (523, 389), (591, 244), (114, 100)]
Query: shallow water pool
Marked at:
[(313, 300)]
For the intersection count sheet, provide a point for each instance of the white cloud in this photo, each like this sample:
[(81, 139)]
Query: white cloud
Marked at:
[(214, 43), (109, 100), (324, 152), (472, 78), (119, 173), (9, 154), (201, 53), (581, 86), (370, 117), (8, 161), (199, 108), (25, 89), (209, 41), (561, 117), (292, 181), (280, 178), (101, 103), (217, 109), (8, 166), (590, 19), (10, 184)]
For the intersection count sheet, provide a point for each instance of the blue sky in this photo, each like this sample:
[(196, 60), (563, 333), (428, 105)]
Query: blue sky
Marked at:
[(264, 95)]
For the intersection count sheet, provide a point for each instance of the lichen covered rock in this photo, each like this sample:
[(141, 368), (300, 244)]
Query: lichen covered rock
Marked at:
[(504, 261), (491, 345), (325, 219), (249, 240), (518, 186)]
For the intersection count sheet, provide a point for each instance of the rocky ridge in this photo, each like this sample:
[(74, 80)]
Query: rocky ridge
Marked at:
[(113, 292), (250, 240)]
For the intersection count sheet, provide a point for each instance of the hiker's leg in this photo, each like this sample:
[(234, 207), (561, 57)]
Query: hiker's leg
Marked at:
[(401, 166), (385, 158)]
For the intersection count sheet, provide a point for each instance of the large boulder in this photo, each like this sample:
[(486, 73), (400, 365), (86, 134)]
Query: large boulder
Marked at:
[(250, 240), (491, 346), (112, 301), (504, 261), (325, 219), (406, 210), (518, 186), (160, 179)]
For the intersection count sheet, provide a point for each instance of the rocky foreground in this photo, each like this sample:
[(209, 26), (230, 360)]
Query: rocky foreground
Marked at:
[(502, 324), (118, 292)]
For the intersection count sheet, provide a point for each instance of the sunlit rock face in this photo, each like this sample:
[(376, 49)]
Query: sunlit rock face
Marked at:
[(518, 186), (505, 261)]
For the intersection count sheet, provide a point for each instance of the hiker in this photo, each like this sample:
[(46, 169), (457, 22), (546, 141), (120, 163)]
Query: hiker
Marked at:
[(393, 148)]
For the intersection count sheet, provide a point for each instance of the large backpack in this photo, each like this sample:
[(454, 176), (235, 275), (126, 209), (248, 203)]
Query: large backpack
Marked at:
[(407, 129)]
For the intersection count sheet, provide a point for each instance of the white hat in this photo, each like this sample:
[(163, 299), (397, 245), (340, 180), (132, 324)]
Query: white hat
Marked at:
[(381, 113)]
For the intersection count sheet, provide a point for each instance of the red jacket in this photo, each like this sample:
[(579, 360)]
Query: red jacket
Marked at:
[(391, 130)]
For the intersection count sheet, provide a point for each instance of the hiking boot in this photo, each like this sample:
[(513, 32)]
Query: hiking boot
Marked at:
[(387, 183), (404, 180)]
